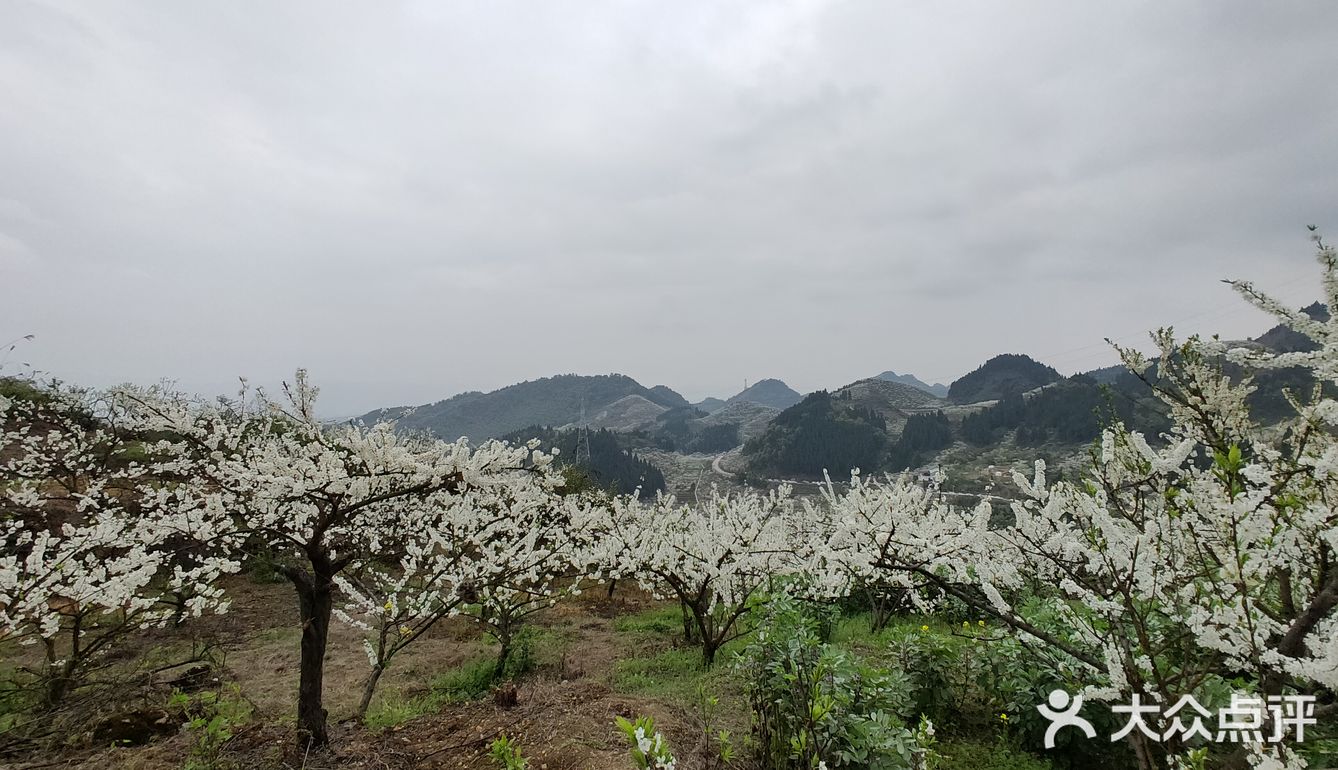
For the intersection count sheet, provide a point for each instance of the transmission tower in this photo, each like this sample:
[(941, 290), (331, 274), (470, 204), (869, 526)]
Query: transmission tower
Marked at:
[(583, 439)]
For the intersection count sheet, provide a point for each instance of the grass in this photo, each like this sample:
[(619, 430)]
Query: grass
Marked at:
[(285, 633), (394, 710), (470, 681), (965, 754), (672, 673), (657, 622)]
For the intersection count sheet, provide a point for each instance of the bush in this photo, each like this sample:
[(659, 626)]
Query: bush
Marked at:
[(211, 719), (814, 703), (507, 755)]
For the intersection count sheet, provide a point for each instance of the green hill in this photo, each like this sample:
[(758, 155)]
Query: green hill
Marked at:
[(770, 392), (1004, 375), (824, 431), (610, 466), (550, 401)]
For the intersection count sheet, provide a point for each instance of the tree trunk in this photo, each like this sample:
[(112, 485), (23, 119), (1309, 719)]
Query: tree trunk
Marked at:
[(503, 655), (709, 649), (61, 672), (1142, 751), (59, 685), (367, 689), (689, 629), (880, 613), (315, 601)]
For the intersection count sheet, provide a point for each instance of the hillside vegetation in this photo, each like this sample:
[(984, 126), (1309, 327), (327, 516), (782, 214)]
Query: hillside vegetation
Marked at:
[(550, 401), (937, 389), (1004, 375), (609, 467)]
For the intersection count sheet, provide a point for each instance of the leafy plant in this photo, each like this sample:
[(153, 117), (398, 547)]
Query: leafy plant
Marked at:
[(649, 749), (212, 718), (815, 705), (718, 743), (507, 755)]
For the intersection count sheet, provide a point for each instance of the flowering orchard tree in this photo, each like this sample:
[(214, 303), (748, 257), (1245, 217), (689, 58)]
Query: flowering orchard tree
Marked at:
[(539, 556), (95, 544), (491, 552), (1203, 559), (325, 498), (713, 559), (878, 537)]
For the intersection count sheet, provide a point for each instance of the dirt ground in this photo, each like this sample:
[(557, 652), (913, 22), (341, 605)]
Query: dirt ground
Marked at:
[(563, 720)]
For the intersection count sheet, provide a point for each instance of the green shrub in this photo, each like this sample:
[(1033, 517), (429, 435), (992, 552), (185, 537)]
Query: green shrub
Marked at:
[(212, 717), (815, 703), (470, 681), (983, 755), (507, 755)]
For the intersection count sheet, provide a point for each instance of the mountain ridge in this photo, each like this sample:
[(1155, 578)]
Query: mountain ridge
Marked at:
[(549, 401), (937, 389)]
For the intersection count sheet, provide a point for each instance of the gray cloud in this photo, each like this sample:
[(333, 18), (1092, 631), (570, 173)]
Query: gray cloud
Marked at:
[(417, 199)]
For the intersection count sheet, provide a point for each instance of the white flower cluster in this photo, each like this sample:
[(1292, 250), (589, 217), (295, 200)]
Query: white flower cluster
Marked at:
[(96, 542)]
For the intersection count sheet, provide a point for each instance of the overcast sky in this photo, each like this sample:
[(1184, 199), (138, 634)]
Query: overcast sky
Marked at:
[(416, 199)]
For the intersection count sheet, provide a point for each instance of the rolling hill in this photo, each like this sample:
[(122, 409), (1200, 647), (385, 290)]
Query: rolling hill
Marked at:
[(1004, 375), (550, 401), (857, 426), (937, 389), (769, 392)]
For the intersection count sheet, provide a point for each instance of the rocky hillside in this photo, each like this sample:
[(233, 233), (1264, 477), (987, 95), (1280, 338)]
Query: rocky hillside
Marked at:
[(751, 419), (627, 413)]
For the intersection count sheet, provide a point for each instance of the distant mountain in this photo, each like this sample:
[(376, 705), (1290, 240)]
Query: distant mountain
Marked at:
[(1002, 376), (1107, 374), (888, 398), (937, 389), (858, 426), (1284, 339), (550, 401), (773, 393), (710, 404), (823, 432), (1072, 412)]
